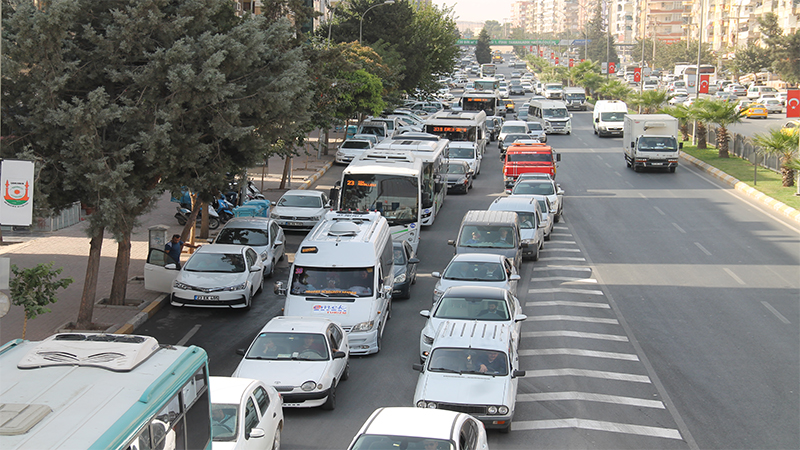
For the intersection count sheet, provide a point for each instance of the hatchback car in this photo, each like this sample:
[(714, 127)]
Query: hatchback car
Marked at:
[(756, 110), (467, 152), (405, 269), (417, 428), (304, 358), (791, 128), (537, 131), (459, 176), (264, 235), (477, 269), (550, 189), (472, 304), (300, 209), (219, 276), (512, 126), (245, 414)]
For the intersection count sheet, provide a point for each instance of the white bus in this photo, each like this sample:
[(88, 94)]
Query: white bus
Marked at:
[(488, 101), (460, 126), (488, 70), (690, 76), (389, 182), (432, 150)]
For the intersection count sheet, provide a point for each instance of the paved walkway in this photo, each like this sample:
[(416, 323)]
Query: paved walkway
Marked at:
[(68, 248)]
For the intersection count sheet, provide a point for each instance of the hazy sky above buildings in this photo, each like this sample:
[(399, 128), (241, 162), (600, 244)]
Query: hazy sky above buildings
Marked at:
[(479, 10)]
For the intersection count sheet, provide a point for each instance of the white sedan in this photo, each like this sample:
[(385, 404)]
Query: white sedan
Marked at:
[(301, 209), (548, 188), (245, 414), (476, 269)]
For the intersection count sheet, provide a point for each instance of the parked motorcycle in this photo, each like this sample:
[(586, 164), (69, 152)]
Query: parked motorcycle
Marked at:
[(183, 216), (224, 208)]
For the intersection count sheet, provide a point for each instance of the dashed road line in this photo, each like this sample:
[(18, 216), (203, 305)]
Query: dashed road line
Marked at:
[(678, 228), (597, 425), (573, 319), (568, 303), (547, 250), (189, 335), (575, 334), (659, 210), (579, 352), (734, 276), (775, 311), (588, 374), (702, 249), (590, 397)]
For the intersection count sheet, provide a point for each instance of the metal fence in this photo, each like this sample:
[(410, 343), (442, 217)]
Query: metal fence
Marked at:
[(743, 147), (67, 217)]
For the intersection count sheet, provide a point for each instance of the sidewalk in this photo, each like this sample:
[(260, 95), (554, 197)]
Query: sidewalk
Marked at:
[(68, 248)]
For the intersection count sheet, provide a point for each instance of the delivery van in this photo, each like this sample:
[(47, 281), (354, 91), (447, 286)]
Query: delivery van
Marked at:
[(344, 270), (608, 117)]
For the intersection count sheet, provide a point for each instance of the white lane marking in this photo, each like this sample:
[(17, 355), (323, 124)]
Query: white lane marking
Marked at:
[(733, 275), (641, 195), (775, 311), (597, 425), (575, 334), (573, 319), (564, 290), (579, 268), (189, 335), (659, 210), (571, 250), (557, 258), (609, 165), (678, 228), (568, 279), (579, 352), (702, 249), (560, 234), (563, 242), (560, 227), (587, 373), (590, 397), (565, 303)]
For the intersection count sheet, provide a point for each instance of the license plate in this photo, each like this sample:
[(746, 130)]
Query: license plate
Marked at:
[(206, 297), (292, 224), (656, 164)]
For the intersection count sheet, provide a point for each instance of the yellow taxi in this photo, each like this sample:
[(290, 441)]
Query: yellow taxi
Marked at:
[(756, 110), (792, 127)]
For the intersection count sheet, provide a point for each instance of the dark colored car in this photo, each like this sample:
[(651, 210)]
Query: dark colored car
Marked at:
[(405, 269), (459, 176), (509, 139)]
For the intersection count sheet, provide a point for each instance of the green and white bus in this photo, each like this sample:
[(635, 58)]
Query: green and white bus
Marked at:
[(103, 391)]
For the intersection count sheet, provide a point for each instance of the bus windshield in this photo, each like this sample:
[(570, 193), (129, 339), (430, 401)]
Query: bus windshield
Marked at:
[(555, 113), (468, 134), (395, 196), (480, 104)]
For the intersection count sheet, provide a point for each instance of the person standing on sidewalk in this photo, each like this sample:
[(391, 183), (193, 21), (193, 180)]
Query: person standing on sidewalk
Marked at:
[(174, 247)]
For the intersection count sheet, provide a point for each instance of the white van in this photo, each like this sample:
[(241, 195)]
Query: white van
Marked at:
[(344, 270), (608, 117), (552, 114)]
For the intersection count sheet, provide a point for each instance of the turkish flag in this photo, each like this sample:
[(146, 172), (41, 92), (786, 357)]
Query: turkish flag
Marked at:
[(637, 75), (541, 53), (552, 55), (703, 89), (793, 103), (571, 62), (612, 67), (556, 60)]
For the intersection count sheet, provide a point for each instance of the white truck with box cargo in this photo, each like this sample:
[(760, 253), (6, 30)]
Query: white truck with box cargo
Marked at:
[(651, 141)]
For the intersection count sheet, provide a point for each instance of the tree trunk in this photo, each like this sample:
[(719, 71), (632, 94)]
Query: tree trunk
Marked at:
[(119, 284), (684, 127), (702, 139), (204, 220), (722, 142), (190, 221), (287, 163), (787, 174), (86, 308)]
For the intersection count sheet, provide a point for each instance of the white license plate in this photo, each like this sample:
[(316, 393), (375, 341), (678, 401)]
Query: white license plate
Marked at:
[(656, 164), (206, 297)]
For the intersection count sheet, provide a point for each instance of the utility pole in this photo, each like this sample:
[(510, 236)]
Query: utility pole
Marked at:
[(697, 71)]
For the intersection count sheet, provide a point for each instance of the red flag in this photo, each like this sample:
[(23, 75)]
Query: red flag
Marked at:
[(556, 60), (571, 62), (703, 84), (793, 103), (637, 75), (541, 53), (612, 67), (552, 55)]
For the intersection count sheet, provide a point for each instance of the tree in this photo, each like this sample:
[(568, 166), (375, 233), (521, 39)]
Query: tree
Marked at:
[(784, 49), (601, 44), (752, 59), (614, 90), (35, 288), (697, 114), (680, 112), (723, 114), (776, 142), (483, 53), (649, 101), (494, 29)]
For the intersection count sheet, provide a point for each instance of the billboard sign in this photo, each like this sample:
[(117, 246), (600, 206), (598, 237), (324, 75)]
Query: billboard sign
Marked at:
[(16, 185)]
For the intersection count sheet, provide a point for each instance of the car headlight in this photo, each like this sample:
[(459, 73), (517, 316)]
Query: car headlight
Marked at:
[(527, 241), (424, 404), (265, 256), (503, 410), (178, 285), (400, 278), (427, 340), (364, 326), (492, 410), (316, 217), (308, 385), (273, 215), (437, 293), (236, 287)]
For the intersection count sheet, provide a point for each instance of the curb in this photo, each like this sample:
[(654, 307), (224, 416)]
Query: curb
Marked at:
[(779, 207), (148, 312), (307, 183)]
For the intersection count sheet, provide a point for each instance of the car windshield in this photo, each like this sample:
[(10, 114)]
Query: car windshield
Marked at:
[(474, 271), (526, 220), (462, 152), (535, 126), (387, 442), (456, 168), (555, 113), (470, 308), (216, 263), (514, 129), (255, 237), (468, 360), (612, 116), (399, 257), (515, 136), (224, 418), (300, 201), (273, 346), (534, 188), (492, 236), (658, 143), (530, 157), (333, 283)]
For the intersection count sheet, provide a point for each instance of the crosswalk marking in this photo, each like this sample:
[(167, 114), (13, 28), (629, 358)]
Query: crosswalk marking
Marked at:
[(578, 268), (588, 374), (564, 258), (597, 425), (547, 250), (590, 397), (564, 291), (579, 352), (575, 334), (567, 279), (573, 319), (566, 303)]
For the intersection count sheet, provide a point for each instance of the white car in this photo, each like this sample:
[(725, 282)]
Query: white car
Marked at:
[(304, 358), (773, 104), (351, 149), (467, 152), (465, 303), (245, 414), (300, 208), (548, 188), (416, 428), (547, 210), (264, 235), (473, 366), (477, 269)]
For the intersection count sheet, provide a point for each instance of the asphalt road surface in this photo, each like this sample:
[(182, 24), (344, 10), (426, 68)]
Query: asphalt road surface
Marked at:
[(663, 314)]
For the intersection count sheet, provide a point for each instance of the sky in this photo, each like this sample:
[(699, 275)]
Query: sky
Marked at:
[(479, 10)]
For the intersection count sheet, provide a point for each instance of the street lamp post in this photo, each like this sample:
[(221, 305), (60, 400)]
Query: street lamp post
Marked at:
[(361, 22)]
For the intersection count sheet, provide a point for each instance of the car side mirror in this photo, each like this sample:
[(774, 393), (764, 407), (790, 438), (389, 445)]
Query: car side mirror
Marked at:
[(451, 242), (417, 367), (277, 243), (425, 313), (256, 433), (240, 351), (523, 244), (680, 145), (514, 277), (279, 288), (520, 317), (413, 260), (339, 354), (558, 156), (596, 120), (386, 291), (518, 373), (436, 274), (171, 266)]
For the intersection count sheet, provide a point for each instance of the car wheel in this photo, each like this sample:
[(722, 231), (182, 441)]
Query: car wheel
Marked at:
[(276, 441), (346, 373), (557, 218), (213, 223), (260, 287), (248, 301), (535, 256), (672, 170), (271, 271), (413, 280), (330, 403), (547, 237)]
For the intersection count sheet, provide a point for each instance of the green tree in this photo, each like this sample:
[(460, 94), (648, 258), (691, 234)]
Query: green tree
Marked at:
[(697, 114), (775, 142), (680, 112), (34, 288), (649, 101), (785, 49), (723, 114), (752, 59), (614, 89), (494, 29), (483, 53), (601, 43)]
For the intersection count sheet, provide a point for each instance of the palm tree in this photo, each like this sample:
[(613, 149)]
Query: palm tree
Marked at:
[(783, 144), (649, 100), (680, 112), (591, 82), (697, 114), (614, 90), (721, 113)]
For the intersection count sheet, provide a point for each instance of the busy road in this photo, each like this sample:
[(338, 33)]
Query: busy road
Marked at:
[(662, 314)]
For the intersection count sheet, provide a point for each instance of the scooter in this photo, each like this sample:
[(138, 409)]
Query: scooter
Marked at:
[(224, 208), (183, 216)]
